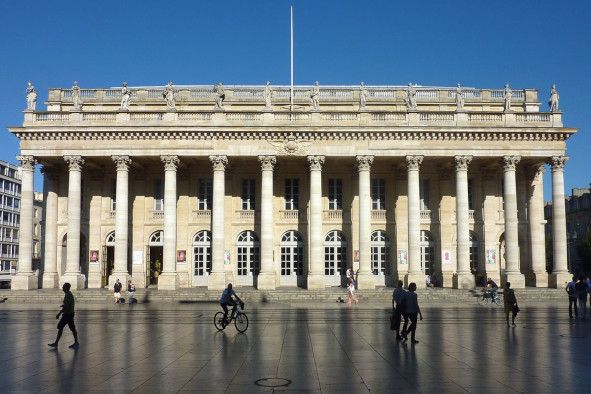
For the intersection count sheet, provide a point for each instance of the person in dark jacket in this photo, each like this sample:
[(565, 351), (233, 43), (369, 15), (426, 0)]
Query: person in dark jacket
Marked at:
[(572, 298), (398, 309), (581, 293), (67, 317), (117, 291), (412, 310), (510, 303)]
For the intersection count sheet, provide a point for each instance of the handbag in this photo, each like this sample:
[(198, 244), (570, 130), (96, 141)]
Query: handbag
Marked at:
[(515, 309)]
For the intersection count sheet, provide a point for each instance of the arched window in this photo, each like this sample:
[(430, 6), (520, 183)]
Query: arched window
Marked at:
[(247, 253), (202, 253), (110, 241), (380, 252), (157, 238), (292, 253), (427, 252), (474, 252), (335, 253)]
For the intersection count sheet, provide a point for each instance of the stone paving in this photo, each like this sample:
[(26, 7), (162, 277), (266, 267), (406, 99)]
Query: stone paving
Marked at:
[(308, 347)]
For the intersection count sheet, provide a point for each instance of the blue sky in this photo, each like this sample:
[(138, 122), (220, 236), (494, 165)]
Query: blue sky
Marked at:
[(528, 43)]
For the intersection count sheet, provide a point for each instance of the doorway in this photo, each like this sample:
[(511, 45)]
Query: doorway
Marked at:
[(155, 252)]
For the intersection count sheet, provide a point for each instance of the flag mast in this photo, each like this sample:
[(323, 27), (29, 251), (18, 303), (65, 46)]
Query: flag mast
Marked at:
[(291, 69)]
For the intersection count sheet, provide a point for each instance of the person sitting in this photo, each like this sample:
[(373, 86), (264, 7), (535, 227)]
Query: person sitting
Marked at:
[(227, 300), (492, 288), (428, 281)]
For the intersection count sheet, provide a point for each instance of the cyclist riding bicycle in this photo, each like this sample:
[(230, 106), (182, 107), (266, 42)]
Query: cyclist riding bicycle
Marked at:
[(227, 300), (492, 288)]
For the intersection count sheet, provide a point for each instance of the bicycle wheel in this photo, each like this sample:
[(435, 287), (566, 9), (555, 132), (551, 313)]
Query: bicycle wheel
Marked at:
[(498, 301), (241, 322), (217, 321), (482, 300)]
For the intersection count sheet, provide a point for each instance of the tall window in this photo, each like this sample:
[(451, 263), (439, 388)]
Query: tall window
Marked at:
[(427, 252), (248, 195), (292, 194), (202, 253), (473, 251), (335, 253), (378, 194), (380, 252), (247, 253), (113, 194), (424, 192), (470, 194), (205, 194), (292, 254), (158, 195), (335, 194)]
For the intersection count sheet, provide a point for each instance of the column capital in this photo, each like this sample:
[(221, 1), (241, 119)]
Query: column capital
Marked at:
[(219, 162), (558, 162), (537, 170), (170, 162), (364, 162), (27, 162), (74, 162), (462, 162), (121, 162), (414, 162), (510, 162), (316, 162), (267, 162)]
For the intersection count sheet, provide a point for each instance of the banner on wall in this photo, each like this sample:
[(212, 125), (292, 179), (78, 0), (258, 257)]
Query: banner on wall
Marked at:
[(491, 256), (181, 256), (94, 254), (446, 259), (402, 257), (226, 257), (138, 257)]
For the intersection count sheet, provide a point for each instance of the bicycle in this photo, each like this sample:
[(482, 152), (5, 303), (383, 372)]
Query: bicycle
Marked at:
[(240, 320), (489, 297)]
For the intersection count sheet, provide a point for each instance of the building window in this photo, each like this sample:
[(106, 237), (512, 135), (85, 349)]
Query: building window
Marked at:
[(335, 253), (247, 253), (380, 252), (425, 194), (473, 252), (470, 194), (292, 254), (158, 195), (427, 252), (292, 194), (202, 253), (248, 195), (205, 194), (335, 194), (378, 194)]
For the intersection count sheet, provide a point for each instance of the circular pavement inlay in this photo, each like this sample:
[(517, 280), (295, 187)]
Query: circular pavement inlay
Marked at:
[(273, 382)]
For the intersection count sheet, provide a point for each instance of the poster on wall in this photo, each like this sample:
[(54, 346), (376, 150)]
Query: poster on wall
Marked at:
[(226, 257), (356, 256), (402, 257), (446, 258), (138, 257), (94, 254), (181, 256), (491, 256)]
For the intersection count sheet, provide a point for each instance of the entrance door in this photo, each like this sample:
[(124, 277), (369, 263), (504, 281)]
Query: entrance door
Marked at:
[(335, 254), (155, 257), (201, 258), (247, 258), (108, 257), (292, 259)]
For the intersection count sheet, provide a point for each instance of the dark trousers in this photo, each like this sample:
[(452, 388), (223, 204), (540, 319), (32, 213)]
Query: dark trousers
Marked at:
[(413, 324), (572, 302), (225, 308), (397, 320)]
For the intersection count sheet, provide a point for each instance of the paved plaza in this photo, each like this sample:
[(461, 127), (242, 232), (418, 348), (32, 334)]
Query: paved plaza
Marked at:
[(313, 347)]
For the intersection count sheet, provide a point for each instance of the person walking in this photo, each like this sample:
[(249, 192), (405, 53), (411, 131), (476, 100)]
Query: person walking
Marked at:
[(572, 298), (130, 291), (398, 302), (510, 304), (117, 291), (351, 292), (581, 293), (67, 318), (412, 310)]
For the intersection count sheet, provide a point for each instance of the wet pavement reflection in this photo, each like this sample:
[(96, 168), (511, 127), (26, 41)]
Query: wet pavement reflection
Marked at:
[(309, 347)]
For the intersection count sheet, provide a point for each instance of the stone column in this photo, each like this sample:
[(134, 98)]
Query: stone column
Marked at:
[(559, 274), (72, 274), (535, 219), (217, 279), (365, 276), (463, 279), (25, 279), (168, 280), (266, 279), (415, 274), (50, 277), (121, 220), (512, 272), (316, 264)]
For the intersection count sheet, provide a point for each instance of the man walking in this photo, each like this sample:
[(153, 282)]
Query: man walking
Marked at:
[(411, 310), (510, 302), (581, 293), (67, 314), (117, 291), (572, 298), (398, 298), (130, 291)]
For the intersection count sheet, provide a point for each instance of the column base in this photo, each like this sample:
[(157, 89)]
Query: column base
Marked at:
[(122, 276), (316, 282), (464, 280), (24, 282), (266, 281), (558, 280), (540, 279), (76, 280), (447, 279), (417, 277), (366, 281), (168, 281), (517, 280), (50, 280), (216, 281)]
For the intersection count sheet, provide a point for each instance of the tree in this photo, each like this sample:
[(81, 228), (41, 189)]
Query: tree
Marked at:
[(584, 251)]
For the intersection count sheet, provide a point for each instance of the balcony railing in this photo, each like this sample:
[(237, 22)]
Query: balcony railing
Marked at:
[(333, 215), (426, 215), (378, 215), (202, 215), (245, 214), (290, 215), (158, 215)]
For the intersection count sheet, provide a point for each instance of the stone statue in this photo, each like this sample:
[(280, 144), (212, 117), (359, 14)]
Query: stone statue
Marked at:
[(220, 96), (315, 97), (125, 97), (268, 93), (459, 99), (362, 96), (76, 100), (507, 94), (31, 97), (554, 97), (411, 97), (168, 95)]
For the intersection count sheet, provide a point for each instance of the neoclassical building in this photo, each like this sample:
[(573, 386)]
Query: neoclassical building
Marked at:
[(184, 186)]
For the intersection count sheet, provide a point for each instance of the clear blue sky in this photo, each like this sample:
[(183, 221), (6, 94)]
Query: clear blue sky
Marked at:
[(531, 43)]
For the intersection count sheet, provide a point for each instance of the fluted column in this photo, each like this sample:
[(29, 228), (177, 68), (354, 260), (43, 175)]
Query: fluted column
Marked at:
[(267, 279), (560, 273), (217, 279), (535, 219), (72, 274), (50, 277), (168, 280), (512, 271), (121, 220), (24, 279), (365, 276), (316, 264), (463, 279), (415, 274)]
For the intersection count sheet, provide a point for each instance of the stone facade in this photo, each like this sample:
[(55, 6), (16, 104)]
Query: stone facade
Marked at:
[(183, 187)]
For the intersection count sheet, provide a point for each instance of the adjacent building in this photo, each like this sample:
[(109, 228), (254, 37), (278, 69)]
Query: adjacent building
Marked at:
[(10, 200)]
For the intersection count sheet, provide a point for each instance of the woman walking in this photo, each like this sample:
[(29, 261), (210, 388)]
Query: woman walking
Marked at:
[(351, 292), (510, 303)]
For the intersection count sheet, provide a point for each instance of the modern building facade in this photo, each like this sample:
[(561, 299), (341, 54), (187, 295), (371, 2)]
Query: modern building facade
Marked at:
[(185, 186), (10, 199)]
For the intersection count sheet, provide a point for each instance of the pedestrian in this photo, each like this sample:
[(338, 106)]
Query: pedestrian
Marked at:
[(510, 303), (349, 274), (572, 298), (130, 291), (581, 293), (398, 302), (411, 310), (589, 290), (351, 292), (117, 291), (67, 317)]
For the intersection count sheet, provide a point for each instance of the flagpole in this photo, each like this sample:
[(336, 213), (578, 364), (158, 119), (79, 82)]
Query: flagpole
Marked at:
[(291, 69)]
